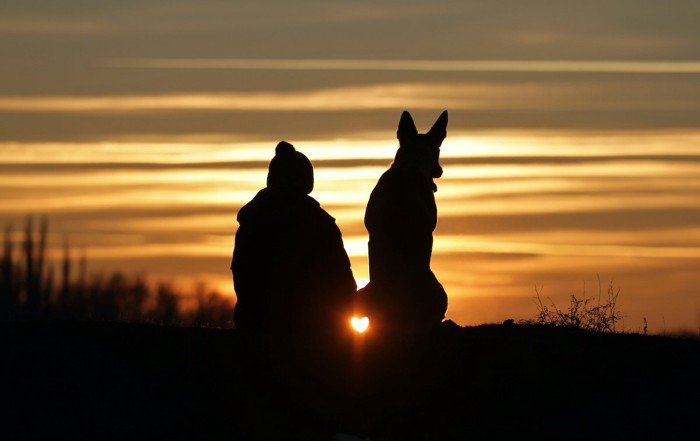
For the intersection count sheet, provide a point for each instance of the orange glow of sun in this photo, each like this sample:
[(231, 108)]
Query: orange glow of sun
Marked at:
[(360, 325)]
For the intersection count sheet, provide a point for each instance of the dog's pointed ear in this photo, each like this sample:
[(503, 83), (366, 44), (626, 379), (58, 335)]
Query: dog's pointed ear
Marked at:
[(439, 129), (407, 127)]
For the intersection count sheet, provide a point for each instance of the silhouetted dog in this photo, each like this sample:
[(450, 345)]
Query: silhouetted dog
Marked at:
[(403, 293)]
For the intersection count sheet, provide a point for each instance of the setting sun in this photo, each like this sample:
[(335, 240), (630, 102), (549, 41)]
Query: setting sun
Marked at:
[(360, 325)]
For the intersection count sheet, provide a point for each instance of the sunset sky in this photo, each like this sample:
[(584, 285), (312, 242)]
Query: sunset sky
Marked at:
[(573, 149)]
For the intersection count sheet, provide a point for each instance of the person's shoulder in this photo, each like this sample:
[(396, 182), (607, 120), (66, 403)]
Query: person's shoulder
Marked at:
[(314, 206), (253, 207)]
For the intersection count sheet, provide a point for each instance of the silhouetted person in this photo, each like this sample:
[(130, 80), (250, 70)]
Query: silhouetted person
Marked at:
[(401, 215), (290, 270)]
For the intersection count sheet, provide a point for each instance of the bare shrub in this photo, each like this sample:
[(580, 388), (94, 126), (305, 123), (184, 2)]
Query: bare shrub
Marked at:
[(595, 313)]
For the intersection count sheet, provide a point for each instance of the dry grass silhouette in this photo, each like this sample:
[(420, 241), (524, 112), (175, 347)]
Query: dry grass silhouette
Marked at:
[(594, 313)]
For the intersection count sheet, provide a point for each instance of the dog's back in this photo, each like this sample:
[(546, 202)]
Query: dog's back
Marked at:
[(400, 218)]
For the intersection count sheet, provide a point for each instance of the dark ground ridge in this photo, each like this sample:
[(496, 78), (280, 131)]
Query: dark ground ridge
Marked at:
[(90, 380)]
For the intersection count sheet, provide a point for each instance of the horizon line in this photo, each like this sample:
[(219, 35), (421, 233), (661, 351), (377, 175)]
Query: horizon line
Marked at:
[(523, 66)]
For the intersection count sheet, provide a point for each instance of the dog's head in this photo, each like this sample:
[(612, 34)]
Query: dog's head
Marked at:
[(421, 150)]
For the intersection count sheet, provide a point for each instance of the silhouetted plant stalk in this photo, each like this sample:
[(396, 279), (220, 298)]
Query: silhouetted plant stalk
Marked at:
[(28, 290), (583, 312), (8, 293)]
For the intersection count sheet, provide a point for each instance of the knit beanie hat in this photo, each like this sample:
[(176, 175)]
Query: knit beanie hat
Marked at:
[(290, 170)]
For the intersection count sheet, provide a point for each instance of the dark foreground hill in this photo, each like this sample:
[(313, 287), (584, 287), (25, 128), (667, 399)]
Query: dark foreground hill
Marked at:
[(77, 380)]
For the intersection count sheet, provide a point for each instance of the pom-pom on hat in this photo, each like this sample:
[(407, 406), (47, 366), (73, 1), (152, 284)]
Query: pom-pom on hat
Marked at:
[(290, 170)]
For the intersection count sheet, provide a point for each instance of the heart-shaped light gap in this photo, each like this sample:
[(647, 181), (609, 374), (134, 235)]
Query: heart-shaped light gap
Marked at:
[(360, 324)]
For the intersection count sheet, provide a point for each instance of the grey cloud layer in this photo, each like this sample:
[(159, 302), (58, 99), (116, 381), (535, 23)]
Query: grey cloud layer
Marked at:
[(67, 39)]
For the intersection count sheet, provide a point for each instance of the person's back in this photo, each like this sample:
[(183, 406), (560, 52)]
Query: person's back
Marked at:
[(291, 273)]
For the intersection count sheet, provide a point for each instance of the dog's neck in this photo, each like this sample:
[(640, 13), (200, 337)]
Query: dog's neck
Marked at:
[(426, 174)]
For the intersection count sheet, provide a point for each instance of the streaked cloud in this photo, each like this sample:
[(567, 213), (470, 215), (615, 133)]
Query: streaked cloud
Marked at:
[(520, 66), (47, 25), (457, 244), (364, 97), (369, 97)]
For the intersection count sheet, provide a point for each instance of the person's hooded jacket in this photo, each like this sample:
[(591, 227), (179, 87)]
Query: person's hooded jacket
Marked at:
[(290, 270)]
